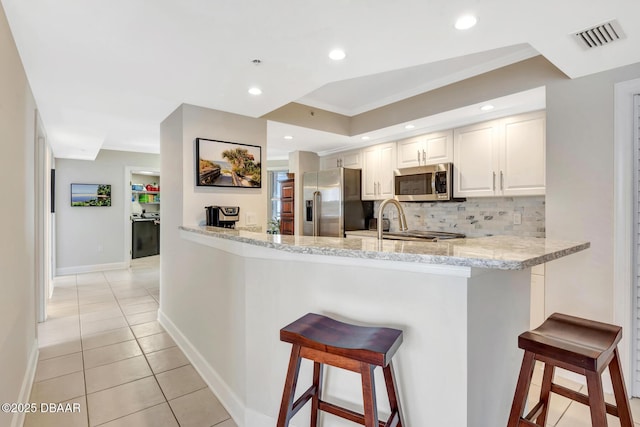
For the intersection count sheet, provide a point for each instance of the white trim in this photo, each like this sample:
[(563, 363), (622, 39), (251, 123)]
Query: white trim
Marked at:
[(223, 392), (27, 383), (65, 271), (623, 241)]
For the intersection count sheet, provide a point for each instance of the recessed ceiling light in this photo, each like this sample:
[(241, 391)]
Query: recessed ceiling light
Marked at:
[(288, 137), (487, 107), (409, 126), (465, 22), (337, 54), (364, 138), (255, 91)]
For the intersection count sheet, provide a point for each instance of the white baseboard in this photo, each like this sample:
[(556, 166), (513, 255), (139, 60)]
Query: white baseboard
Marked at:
[(27, 383), (64, 271), (227, 397)]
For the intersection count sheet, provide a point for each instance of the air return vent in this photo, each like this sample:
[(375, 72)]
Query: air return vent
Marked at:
[(600, 35)]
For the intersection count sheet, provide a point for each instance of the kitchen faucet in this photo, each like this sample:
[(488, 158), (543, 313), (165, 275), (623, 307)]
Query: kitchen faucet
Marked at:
[(401, 217)]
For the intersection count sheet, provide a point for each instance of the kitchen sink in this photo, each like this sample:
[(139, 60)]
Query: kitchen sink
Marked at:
[(419, 235)]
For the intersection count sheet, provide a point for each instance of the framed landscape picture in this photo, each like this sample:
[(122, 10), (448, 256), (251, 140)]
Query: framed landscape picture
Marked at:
[(90, 195), (227, 164)]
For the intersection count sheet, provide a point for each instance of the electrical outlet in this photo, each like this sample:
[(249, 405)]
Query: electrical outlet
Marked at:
[(517, 218), (99, 248), (250, 218)]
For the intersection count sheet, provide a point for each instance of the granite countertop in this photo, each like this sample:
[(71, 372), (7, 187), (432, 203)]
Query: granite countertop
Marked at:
[(494, 252)]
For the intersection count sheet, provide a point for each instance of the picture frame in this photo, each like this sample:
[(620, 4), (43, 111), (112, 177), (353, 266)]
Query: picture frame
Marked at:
[(228, 164), (89, 195)]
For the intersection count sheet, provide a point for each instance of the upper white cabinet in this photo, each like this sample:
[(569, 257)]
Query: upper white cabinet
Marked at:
[(425, 149), (504, 157), (378, 163), (348, 159)]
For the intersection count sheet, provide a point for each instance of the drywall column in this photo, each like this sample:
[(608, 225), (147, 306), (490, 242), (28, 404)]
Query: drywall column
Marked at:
[(184, 269)]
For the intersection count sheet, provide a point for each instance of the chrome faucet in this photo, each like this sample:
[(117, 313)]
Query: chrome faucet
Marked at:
[(401, 217)]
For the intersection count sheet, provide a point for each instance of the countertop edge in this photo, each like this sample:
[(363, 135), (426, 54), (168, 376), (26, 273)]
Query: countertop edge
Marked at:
[(318, 248)]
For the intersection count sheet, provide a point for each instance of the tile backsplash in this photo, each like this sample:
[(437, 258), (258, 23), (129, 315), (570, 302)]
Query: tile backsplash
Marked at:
[(475, 217)]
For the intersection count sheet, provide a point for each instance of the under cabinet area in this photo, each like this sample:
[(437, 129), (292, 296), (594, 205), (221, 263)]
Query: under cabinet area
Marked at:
[(377, 171), (504, 157), (348, 159), (424, 150)]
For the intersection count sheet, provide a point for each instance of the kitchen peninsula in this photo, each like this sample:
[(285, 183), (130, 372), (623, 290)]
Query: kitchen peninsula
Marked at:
[(461, 304)]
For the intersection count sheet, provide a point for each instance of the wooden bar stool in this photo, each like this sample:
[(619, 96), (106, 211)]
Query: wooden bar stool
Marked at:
[(356, 348), (579, 345)]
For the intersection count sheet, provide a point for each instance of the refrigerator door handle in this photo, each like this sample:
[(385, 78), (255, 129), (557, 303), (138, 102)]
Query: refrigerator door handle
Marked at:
[(316, 207)]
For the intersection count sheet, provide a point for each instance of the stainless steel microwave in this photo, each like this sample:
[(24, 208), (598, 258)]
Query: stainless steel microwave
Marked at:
[(424, 183)]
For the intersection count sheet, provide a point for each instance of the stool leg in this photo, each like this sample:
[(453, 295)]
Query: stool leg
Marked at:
[(547, 379), (596, 399), (619, 391), (522, 389), (315, 400), (369, 395), (289, 387), (392, 392)]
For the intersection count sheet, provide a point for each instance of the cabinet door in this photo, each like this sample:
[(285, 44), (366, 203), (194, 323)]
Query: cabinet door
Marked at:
[(476, 164), (522, 157), (410, 152), (385, 171), (370, 164), (438, 148), (352, 159), (329, 162)]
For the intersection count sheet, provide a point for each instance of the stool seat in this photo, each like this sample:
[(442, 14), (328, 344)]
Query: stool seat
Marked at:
[(363, 343), (580, 345), (360, 349)]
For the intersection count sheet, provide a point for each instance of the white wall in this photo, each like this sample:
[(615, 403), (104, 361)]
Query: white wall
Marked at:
[(184, 267), (18, 346), (580, 189), (92, 238)]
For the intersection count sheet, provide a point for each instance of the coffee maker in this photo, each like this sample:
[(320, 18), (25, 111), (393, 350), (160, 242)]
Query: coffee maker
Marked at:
[(222, 216)]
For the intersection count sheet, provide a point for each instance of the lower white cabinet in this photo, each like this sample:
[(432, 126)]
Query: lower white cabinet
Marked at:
[(378, 164), (537, 315)]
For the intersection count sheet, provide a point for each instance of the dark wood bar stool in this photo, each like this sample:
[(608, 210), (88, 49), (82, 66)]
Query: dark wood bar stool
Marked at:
[(356, 348), (579, 345)]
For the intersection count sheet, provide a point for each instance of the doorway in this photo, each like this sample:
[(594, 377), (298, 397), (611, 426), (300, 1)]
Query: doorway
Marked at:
[(142, 213)]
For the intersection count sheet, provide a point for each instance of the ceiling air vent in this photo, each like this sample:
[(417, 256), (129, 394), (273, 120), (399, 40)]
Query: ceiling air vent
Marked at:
[(600, 35)]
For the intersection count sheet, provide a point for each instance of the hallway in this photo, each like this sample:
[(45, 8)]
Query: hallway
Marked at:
[(103, 349)]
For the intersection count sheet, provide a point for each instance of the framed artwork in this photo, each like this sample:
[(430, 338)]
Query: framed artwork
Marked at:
[(227, 164), (90, 194)]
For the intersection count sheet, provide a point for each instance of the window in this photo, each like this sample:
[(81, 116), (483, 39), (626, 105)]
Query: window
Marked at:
[(274, 193)]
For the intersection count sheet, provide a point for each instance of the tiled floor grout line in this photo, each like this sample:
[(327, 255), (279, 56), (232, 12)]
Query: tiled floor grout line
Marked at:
[(84, 371), (144, 354)]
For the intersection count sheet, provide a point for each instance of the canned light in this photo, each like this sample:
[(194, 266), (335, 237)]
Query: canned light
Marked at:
[(337, 54), (255, 91), (465, 22)]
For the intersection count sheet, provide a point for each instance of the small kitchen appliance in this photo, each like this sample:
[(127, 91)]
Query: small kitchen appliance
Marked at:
[(222, 216), (424, 183)]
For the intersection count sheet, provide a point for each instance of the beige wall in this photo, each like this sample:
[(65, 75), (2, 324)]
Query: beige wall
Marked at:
[(186, 271), (18, 345)]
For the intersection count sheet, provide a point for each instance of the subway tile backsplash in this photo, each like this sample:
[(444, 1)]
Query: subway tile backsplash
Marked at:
[(476, 217)]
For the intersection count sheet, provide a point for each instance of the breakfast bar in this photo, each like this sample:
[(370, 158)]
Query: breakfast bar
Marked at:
[(461, 304)]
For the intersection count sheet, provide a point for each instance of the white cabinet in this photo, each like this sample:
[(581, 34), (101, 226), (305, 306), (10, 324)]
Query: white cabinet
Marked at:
[(348, 159), (425, 149), (378, 163), (504, 157)]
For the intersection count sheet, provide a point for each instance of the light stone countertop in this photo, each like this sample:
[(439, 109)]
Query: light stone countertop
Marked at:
[(494, 252)]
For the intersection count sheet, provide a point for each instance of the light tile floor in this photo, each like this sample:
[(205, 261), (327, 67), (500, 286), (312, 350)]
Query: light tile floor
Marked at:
[(103, 349)]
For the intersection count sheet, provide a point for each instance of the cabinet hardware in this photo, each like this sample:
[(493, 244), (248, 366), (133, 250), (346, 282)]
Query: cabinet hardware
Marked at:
[(494, 180), (501, 180), (424, 157), (418, 157)]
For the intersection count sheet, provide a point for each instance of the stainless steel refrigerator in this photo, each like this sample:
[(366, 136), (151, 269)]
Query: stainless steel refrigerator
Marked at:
[(332, 202)]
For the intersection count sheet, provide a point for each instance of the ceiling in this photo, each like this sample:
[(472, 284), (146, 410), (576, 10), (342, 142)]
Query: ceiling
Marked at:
[(105, 74)]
